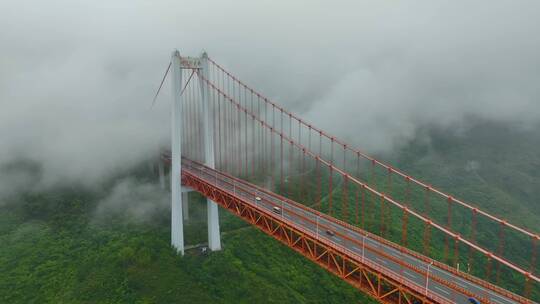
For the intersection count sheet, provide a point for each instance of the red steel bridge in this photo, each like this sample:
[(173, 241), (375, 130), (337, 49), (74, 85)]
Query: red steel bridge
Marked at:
[(392, 236)]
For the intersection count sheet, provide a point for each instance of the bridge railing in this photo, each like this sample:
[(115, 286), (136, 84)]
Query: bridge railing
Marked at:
[(259, 134), (240, 188), (243, 189)]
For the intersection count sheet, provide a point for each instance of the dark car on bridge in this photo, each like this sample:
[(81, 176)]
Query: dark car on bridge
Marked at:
[(473, 301)]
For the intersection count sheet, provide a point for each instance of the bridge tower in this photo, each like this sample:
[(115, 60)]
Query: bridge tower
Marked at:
[(179, 204)]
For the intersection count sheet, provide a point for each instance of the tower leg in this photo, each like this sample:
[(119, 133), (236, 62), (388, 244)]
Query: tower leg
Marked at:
[(177, 225), (214, 240)]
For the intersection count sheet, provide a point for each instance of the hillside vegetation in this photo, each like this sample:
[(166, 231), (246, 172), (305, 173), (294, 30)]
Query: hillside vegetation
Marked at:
[(57, 249), (106, 245)]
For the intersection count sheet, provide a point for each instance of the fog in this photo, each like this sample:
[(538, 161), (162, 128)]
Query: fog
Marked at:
[(132, 199), (78, 77)]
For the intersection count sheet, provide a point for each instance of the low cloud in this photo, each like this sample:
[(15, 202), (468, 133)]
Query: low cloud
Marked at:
[(133, 199), (77, 79)]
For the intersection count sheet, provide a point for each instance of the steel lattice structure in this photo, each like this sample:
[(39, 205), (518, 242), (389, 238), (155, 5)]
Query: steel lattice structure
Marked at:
[(237, 196)]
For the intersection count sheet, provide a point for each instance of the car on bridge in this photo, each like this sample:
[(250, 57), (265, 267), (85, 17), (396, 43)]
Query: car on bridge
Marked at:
[(473, 301), (276, 210)]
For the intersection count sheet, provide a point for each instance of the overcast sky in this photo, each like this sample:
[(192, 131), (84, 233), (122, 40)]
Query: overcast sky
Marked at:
[(77, 77)]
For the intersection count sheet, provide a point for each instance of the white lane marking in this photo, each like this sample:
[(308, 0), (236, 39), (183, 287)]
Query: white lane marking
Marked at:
[(461, 285), (356, 248), (466, 284), (441, 290), (396, 254), (382, 261), (495, 300), (409, 274)]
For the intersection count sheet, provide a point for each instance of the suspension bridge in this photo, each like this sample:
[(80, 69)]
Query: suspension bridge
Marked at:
[(393, 237)]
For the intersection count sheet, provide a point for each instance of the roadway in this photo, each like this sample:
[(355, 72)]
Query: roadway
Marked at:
[(363, 245)]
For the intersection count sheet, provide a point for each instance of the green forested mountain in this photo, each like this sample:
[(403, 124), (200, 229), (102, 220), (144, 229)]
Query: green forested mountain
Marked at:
[(61, 246), (493, 166), (71, 244)]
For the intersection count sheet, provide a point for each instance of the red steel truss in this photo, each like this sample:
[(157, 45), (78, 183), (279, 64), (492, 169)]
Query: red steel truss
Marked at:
[(378, 282)]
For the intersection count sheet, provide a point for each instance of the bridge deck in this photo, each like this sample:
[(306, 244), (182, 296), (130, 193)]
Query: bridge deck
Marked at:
[(366, 248)]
